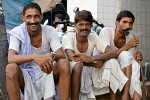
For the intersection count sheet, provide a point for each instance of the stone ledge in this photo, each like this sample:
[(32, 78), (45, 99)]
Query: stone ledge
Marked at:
[(106, 96)]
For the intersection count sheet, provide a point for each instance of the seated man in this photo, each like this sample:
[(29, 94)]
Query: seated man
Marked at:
[(31, 64), (117, 38), (79, 48)]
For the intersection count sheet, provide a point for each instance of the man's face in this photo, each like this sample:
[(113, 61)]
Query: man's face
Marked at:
[(57, 19), (125, 25), (32, 18), (83, 28)]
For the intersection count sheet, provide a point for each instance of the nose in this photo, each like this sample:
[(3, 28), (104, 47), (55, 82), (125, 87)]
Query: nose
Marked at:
[(32, 20), (84, 26), (127, 25)]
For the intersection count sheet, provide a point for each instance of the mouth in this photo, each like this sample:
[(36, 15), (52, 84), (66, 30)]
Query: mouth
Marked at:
[(33, 25), (126, 31), (84, 31)]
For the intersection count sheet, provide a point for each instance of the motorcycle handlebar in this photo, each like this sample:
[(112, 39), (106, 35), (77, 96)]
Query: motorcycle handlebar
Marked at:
[(63, 22), (99, 24)]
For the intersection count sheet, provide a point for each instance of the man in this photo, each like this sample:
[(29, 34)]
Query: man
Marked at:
[(59, 18), (79, 48), (31, 64), (117, 38)]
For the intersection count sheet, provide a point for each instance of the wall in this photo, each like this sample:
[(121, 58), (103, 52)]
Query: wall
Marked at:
[(107, 11), (90, 5), (3, 55)]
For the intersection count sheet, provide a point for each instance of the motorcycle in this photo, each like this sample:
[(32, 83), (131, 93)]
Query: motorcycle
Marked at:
[(69, 26)]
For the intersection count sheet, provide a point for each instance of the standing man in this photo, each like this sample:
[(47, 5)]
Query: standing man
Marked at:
[(79, 48), (116, 38), (31, 64)]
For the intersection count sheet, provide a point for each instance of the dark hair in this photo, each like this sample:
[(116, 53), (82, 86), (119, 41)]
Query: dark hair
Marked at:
[(31, 5), (60, 16), (83, 15), (125, 13)]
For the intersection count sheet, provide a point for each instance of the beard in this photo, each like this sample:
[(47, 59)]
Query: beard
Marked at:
[(125, 31)]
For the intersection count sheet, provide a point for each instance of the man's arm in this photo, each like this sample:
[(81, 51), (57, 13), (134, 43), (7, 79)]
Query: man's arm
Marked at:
[(13, 57), (44, 61), (58, 54), (108, 54)]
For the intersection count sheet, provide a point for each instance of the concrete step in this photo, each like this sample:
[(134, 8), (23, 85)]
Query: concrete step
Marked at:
[(107, 97)]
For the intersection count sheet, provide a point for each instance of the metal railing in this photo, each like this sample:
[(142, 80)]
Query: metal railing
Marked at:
[(147, 64)]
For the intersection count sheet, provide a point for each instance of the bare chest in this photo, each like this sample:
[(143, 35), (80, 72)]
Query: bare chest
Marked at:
[(36, 42), (82, 47), (119, 42)]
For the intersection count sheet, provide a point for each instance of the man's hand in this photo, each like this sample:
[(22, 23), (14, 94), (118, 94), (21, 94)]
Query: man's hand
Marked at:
[(45, 62), (138, 56), (98, 64), (82, 58), (134, 42)]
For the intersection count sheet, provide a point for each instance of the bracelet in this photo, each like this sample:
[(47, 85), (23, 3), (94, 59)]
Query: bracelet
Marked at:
[(53, 56)]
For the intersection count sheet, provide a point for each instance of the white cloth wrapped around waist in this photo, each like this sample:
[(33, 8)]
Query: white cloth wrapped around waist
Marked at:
[(125, 59), (111, 76), (43, 88)]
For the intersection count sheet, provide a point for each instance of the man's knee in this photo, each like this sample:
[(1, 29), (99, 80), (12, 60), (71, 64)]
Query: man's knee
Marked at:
[(112, 62), (64, 65), (78, 68), (125, 59), (125, 54), (12, 71)]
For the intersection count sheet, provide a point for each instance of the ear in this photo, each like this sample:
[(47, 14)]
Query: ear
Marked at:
[(75, 24), (116, 23), (23, 18), (41, 17)]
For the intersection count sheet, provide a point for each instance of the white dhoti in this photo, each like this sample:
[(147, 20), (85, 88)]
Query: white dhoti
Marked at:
[(111, 76), (96, 81), (125, 59), (43, 88)]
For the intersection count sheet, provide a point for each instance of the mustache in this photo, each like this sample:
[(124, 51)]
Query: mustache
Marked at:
[(127, 30), (33, 23), (84, 30)]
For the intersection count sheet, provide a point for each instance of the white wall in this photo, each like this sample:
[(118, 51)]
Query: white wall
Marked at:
[(107, 11), (90, 5)]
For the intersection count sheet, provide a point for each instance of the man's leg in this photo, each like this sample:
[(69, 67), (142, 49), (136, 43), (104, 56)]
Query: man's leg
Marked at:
[(112, 95), (76, 81), (14, 81), (136, 96), (128, 73), (62, 74)]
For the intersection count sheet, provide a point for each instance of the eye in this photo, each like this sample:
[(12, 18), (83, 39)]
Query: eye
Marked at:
[(28, 17), (37, 16), (125, 22), (131, 23)]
